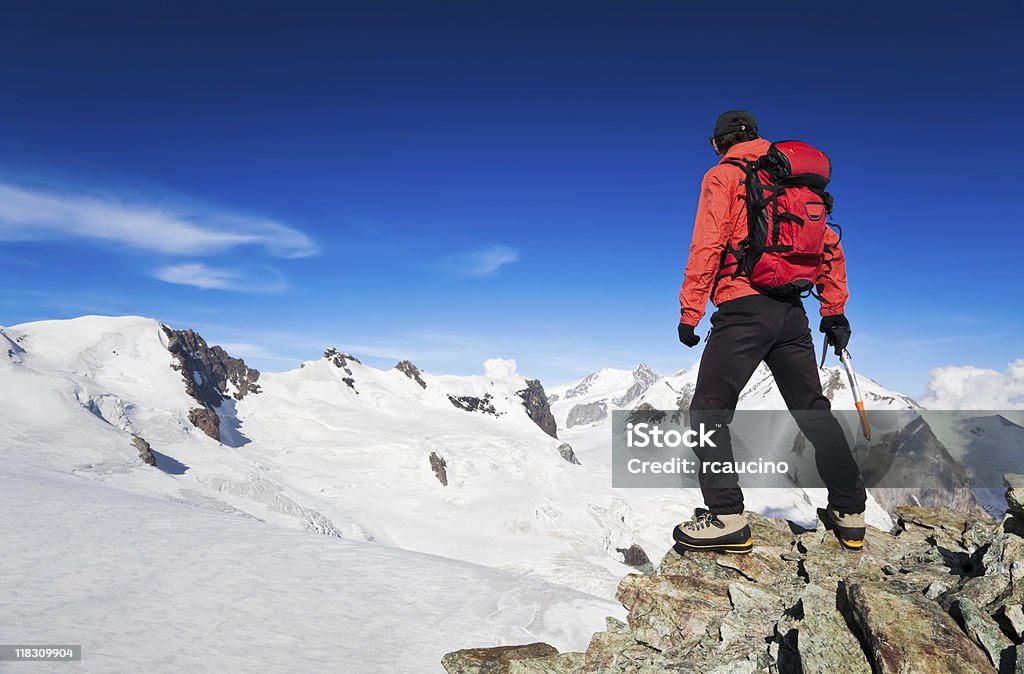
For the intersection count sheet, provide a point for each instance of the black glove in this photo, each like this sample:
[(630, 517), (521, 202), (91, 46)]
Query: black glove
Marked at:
[(837, 331), (686, 335)]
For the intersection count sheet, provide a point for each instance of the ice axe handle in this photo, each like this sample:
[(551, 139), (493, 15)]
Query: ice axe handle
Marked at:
[(865, 427), (824, 350), (858, 399)]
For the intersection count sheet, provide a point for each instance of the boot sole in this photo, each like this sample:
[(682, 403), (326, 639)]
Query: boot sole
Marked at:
[(728, 548), (850, 539)]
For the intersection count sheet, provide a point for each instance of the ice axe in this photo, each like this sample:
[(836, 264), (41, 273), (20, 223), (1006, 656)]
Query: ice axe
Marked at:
[(858, 399)]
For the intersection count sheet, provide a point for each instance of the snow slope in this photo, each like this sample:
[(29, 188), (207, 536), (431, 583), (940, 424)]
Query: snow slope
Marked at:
[(312, 451), (148, 585)]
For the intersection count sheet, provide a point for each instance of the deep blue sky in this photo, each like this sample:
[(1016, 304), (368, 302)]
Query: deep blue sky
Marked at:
[(460, 180)]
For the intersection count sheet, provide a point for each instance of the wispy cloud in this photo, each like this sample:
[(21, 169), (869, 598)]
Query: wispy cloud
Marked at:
[(482, 262), (29, 214), (199, 275)]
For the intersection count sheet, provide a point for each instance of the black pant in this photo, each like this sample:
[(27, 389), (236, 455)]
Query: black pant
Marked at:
[(746, 331)]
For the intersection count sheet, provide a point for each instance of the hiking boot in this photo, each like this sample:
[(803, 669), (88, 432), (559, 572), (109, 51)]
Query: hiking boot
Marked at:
[(718, 533), (848, 527)]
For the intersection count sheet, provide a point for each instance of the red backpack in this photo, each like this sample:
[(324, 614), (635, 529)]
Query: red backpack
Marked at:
[(787, 211)]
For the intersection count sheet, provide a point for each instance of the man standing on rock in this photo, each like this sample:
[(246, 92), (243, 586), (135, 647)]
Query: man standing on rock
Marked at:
[(757, 321)]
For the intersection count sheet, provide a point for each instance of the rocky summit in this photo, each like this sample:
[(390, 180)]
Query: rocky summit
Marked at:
[(941, 592)]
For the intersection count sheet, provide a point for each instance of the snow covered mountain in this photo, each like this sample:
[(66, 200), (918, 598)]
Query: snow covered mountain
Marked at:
[(461, 467), (388, 464), (453, 466), (593, 398), (927, 458)]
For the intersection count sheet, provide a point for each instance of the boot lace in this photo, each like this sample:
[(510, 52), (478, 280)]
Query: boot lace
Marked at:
[(701, 521)]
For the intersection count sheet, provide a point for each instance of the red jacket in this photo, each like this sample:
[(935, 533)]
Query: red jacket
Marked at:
[(722, 219)]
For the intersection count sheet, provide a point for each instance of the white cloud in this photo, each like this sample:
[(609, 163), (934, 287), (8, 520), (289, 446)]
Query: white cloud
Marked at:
[(482, 262), (965, 387), (199, 275), (499, 368), (34, 214)]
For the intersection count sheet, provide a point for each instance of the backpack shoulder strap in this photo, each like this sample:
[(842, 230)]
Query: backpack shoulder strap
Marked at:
[(746, 166), (735, 267)]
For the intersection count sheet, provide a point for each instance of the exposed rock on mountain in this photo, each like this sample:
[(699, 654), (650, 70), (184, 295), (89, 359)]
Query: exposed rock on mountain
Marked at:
[(440, 468), (833, 384), (205, 420), (914, 456), (536, 404), (583, 387), (942, 592), (494, 660), (636, 557), (475, 404), (588, 413), (821, 638), (565, 451), (643, 379), (646, 413), (210, 375), (1015, 494), (412, 372), (683, 403), (11, 347), (145, 451), (836, 382), (906, 632), (340, 359), (209, 370), (981, 629)]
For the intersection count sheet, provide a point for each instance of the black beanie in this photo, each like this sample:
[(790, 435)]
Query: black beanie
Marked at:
[(735, 120)]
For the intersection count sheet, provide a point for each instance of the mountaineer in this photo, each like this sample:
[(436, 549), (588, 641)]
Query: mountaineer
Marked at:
[(760, 243)]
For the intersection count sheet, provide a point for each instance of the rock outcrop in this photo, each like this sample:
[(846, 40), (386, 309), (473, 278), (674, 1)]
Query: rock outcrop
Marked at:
[(209, 370), (211, 376), (586, 413), (14, 351), (495, 660), (440, 468), (411, 371), (907, 632), (636, 557), (643, 378), (474, 404), (537, 408), (583, 387), (145, 451), (565, 451), (205, 420), (1015, 494), (340, 359), (941, 592)]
